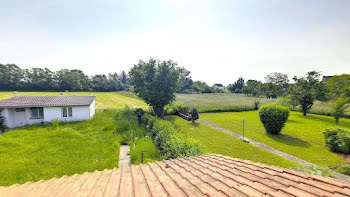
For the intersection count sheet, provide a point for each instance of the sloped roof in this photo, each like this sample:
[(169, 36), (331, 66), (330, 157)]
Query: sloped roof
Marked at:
[(46, 101), (207, 175)]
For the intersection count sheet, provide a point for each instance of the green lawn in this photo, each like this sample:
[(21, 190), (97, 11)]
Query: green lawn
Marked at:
[(104, 100), (218, 142), (144, 144), (301, 137), (38, 152)]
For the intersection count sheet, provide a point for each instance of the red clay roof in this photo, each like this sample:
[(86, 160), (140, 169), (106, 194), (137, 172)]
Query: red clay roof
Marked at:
[(46, 101), (207, 175)]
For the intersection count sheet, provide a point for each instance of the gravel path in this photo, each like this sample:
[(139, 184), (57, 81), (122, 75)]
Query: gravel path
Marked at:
[(275, 151)]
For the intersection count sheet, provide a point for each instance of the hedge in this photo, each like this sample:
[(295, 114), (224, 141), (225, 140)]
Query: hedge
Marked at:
[(171, 142), (337, 140)]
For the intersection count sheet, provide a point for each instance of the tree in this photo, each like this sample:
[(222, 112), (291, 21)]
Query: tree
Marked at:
[(185, 82), (38, 79), (338, 106), (194, 114), (237, 87), (304, 90), (253, 88), (100, 83), (202, 87), (114, 83), (124, 79), (339, 85), (10, 77), (271, 90), (277, 79), (73, 80), (155, 82)]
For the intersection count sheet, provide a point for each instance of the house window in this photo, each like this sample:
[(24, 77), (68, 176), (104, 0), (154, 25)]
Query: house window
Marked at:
[(19, 109), (67, 112), (37, 112)]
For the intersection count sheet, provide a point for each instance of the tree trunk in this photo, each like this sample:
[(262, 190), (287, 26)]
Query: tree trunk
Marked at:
[(159, 111)]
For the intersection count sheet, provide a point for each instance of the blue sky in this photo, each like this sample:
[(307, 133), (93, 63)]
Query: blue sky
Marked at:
[(218, 41)]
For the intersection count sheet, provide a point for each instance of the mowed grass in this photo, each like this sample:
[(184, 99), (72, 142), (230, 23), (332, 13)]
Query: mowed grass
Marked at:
[(301, 137), (218, 142), (32, 153), (104, 100), (219, 100)]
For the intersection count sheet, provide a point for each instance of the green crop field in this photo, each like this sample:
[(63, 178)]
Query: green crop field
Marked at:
[(104, 100), (226, 101), (301, 137), (218, 142)]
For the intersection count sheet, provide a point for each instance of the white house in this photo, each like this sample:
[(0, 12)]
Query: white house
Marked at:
[(27, 110)]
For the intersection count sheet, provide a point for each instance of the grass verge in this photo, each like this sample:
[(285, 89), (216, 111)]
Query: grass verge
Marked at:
[(218, 142)]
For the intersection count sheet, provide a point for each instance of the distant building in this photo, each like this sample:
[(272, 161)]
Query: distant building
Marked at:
[(218, 86), (326, 78)]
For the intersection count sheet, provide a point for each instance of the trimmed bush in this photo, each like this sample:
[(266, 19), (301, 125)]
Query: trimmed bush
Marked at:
[(170, 142), (273, 117), (337, 140), (194, 114)]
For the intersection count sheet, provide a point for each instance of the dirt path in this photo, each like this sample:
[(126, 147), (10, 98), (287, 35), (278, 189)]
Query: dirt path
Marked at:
[(124, 156), (275, 151)]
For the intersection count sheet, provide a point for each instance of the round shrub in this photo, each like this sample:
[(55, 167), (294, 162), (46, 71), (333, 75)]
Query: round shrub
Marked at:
[(273, 117)]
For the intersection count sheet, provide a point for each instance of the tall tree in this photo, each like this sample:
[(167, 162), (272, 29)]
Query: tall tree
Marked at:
[(253, 88), (339, 85), (185, 82), (304, 90), (73, 80), (114, 82), (271, 90), (10, 77), (100, 83), (202, 87), (277, 79), (155, 82), (38, 79), (238, 86), (124, 79)]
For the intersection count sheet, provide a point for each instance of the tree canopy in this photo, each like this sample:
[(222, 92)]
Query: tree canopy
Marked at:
[(156, 82)]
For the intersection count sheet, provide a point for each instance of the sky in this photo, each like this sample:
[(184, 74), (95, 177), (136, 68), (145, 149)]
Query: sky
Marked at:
[(216, 40)]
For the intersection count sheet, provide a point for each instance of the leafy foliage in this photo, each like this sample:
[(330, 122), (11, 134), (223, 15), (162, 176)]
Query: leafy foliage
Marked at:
[(202, 87), (304, 90), (237, 87), (278, 79), (175, 109), (271, 90), (337, 140), (253, 88), (155, 82), (344, 169), (194, 114), (171, 142), (273, 117), (13, 78), (338, 107), (339, 86)]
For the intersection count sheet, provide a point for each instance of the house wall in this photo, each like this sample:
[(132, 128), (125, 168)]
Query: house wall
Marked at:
[(17, 119), (79, 113), (92, 109)]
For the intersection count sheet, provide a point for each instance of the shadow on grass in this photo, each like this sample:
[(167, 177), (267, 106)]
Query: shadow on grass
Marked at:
[(289, 140), (195, 124)]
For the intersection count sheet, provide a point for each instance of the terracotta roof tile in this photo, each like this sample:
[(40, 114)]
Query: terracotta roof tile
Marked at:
[(206, 175)]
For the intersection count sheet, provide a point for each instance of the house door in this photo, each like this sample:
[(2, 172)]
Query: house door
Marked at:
[(19, 117)]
